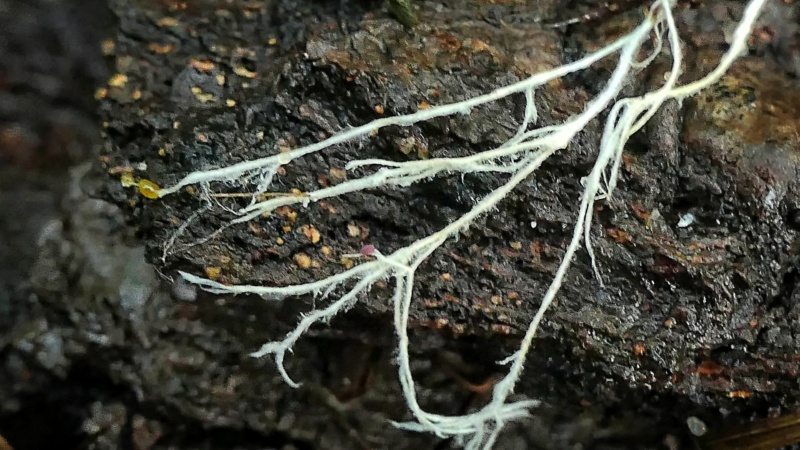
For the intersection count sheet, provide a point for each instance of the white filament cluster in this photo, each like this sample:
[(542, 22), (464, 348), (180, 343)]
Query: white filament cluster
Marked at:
[(520, 157)]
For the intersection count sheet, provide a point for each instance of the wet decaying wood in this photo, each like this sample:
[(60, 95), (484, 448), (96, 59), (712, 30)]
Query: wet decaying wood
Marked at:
[(698, 248), (768, 433)]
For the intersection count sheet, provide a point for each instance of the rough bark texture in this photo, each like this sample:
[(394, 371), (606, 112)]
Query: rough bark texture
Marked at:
[(697, 320)]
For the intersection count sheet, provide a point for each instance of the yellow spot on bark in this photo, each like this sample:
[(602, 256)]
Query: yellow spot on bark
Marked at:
[(302, 260), (167, 22), (160, 49), (118, 80), (202, 65), (244, 72), (149, 189), (212, 272), (127, 180), (310, 232)]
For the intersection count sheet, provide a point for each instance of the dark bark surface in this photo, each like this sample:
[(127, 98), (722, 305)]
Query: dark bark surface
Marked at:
[(697, 320)]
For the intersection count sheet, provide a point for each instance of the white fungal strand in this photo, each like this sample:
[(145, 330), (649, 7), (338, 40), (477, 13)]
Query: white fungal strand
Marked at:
[(520, 157)]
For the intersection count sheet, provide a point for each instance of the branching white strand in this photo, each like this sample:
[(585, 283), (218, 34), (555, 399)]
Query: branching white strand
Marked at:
[(279, 349), (181, 229), (235, 171), (520, 157)]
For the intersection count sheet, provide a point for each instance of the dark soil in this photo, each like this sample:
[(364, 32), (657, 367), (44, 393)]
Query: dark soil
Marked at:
[(697, 320)]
